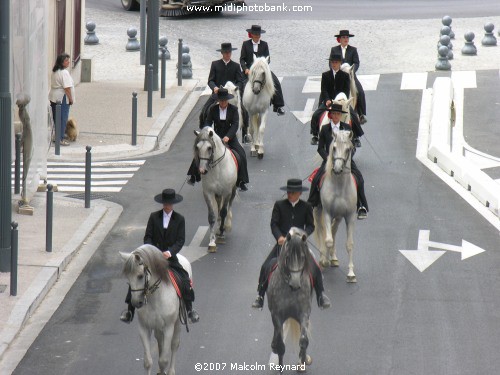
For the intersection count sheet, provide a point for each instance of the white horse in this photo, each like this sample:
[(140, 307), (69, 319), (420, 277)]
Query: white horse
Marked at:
[(256, 99), (218, 179), (157, 303), (338, 201)]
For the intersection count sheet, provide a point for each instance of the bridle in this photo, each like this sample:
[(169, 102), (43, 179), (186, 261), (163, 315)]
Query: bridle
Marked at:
[(211, 162), (148, 290), (262, 83), (286, 271)]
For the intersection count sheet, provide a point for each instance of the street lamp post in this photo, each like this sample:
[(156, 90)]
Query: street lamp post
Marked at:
[(5, 138)]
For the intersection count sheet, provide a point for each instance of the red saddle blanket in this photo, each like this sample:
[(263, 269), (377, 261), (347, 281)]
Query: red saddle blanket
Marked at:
[(313, 174), (175, 282), (235, 158)]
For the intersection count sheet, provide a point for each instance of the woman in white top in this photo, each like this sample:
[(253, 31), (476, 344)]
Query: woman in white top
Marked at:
[(62, 89)]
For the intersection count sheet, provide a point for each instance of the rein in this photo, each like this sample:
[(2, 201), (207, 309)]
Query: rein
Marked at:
[(148, 290), (212, 163)]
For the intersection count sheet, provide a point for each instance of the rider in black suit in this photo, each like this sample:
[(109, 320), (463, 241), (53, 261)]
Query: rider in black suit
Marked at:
[(222, 71), (325, 139), (350, 55), (166, 230), (226, 129), (333, 82), (288, 213), (256, 46)]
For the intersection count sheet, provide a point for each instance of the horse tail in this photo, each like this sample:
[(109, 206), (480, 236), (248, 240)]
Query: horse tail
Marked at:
[(353, 89), (293, 328)]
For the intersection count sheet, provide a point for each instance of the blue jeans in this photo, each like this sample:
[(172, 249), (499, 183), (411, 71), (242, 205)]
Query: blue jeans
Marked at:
[(64, 115)]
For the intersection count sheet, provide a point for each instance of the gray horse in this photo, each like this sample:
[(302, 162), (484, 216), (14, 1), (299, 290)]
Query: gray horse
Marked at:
[(289, 297), (338, 201)]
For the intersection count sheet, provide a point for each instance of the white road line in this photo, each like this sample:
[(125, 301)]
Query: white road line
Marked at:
[(369, 81), (94, 189), (97, 170), (94, 176), (93, 183), (414, 81)]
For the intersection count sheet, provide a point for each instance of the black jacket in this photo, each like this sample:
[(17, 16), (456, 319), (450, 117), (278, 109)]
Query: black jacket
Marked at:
[(246, 57), (220, 73), (285, 216), (226, 128), (331, 87), (351, 55), (171, 239), (326, 137)]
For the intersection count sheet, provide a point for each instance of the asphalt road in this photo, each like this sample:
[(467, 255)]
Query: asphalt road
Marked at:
[(395, 320), (354, 10)]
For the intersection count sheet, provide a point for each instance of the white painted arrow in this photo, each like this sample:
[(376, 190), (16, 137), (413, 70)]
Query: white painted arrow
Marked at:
[(423, 258), (193, 251), (305, 115)]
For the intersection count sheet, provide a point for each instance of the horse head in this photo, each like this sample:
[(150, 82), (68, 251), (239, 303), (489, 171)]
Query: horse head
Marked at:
[(145, 268), (340, 153), (205, 148), (294, 257), (260, 75)]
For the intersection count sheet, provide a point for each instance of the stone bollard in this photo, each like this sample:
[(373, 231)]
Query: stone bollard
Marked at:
[(443, 63), (469, 48), (445, 41), (445, 30), (91, 38), (185, 49), (447, 22), (163, 44), (489, 39), (132, 44), (187, 70)]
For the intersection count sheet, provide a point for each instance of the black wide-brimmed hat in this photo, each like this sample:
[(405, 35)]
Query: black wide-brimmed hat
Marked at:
[(222, 94), (336, 108), (226, 47), (335, 57), (168, 196), (256, 29), (294, 185), (343, 33)]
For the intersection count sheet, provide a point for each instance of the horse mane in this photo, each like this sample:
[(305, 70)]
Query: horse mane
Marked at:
[(152, 257), (260, 64), (236, 101), (294, 243), (343, 137), (352, 83)]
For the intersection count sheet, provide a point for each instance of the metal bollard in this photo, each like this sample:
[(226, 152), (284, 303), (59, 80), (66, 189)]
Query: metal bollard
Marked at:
[(179, 64), (14, 235), (17, 165), (88, 166), (57, 133), (163, 70), (134, 118), (150, 90), (49, 213)]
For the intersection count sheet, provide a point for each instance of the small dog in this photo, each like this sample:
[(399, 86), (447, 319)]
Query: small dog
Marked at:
[(71, 130)]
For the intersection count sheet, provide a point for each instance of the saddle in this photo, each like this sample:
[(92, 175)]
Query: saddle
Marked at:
[(320, 183), (236, 158), (182, 288)]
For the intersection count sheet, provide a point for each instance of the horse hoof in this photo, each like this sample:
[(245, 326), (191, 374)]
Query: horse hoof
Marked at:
[(309, 360), (253, 153), (351, 279), (261, 156), (334, 263), (212, 249), (324, 263), (220, 239)]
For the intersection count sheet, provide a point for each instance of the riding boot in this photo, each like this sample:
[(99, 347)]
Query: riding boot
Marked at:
[(259, 301), (191, 313), (322, 298), (128, 315)]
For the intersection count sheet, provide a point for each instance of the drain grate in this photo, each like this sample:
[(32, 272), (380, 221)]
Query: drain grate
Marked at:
[(92, 196), (2, 288)]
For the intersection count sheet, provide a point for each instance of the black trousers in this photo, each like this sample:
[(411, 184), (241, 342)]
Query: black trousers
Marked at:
[(277, 99), (242, 165), (272, 259), (361, 103), (314, 194)]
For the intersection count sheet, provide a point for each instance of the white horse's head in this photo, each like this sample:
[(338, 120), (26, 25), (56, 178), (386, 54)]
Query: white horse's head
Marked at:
[(339, 156), (206, 146), (341, 99), (260, 76)]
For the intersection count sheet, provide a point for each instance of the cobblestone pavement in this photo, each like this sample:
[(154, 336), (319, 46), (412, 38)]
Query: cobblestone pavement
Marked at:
[(298, 48)]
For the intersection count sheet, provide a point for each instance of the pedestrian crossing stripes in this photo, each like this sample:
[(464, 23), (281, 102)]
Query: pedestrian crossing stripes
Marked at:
[(106, 176)]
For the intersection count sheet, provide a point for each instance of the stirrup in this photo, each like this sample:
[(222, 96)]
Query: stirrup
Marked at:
[(193, 316), (258, 303), (127, 316)]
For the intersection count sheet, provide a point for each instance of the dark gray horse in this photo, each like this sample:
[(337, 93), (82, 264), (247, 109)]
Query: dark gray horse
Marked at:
[(289, 296)]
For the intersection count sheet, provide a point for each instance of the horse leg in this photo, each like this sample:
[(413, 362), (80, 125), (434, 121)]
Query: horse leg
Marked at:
[(145, 335), (277, 345), (334, 261), (320, 235), (262, 127), (212, 247), (229, 217), (222, 216), (176, 339), (303, 344), (253, 132), (164, 339), (327, 218), (351, 277)]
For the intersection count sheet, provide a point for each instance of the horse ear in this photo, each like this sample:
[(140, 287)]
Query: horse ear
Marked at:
[(268, 59), (288, 236), (197, 132), (211, 133), (138, 259), (123, 255), (351, 135), (304, 238)]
